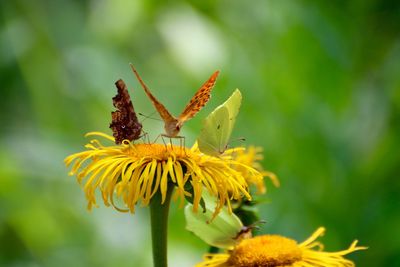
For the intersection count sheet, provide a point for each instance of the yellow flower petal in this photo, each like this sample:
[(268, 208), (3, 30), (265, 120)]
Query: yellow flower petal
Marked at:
[(135, 172), (251, 157), (277, 251)]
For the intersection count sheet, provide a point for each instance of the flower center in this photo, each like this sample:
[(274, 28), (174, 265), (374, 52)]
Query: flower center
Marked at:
[(158, 151), (265, 251)]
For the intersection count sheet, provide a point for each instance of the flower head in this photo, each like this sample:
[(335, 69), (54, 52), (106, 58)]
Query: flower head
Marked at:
[(251, 156), (275, 251), (135, 172)]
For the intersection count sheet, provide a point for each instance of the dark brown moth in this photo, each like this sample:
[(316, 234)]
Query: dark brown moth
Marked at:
[(124, 124)]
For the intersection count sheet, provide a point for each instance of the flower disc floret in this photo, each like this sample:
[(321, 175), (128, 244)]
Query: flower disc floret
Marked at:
[(278, 251)]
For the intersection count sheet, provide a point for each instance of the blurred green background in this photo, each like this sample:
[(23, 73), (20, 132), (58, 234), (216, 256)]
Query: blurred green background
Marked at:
[(321, 86)]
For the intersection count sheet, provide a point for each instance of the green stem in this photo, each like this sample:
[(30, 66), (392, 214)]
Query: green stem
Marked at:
[(159, 226)]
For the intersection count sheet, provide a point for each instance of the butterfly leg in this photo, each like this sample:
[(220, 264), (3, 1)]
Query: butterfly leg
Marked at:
[(182, 143), (162, 138), (148, 139), (155, 140), (169, 138), (144, 135)]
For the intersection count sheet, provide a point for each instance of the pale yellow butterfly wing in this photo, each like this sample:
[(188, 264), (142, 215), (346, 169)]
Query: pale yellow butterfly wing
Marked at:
[(217, 127), (220, 231)]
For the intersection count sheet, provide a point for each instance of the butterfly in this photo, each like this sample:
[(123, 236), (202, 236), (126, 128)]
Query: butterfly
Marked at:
[(124, 124), (218, 125), (223, 231), (173, 125)]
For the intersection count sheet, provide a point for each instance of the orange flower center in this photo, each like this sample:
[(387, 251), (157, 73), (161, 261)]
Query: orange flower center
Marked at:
[(159, 151), (265, 251)]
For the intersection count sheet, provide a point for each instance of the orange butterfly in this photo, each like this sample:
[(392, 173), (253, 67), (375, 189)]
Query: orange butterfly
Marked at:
[(173, 125)]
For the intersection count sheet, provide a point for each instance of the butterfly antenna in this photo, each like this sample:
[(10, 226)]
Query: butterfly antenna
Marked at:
[(256, 225), (247, 230), (148, 117), (239, 139)]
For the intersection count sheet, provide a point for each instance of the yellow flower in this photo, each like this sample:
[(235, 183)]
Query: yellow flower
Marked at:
[(275, 251), (252, 156), (135, 172)]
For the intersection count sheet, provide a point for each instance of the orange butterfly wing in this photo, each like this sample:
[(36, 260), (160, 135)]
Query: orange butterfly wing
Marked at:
[(162, 110), (199, 100)]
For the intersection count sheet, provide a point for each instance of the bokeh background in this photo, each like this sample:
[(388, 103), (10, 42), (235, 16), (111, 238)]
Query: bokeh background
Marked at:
[(321, 86)]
